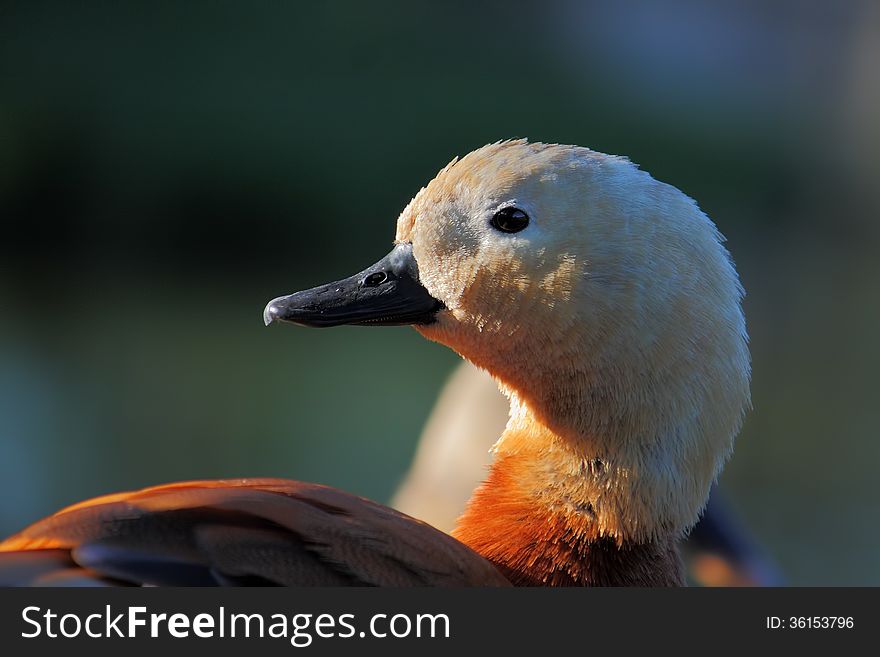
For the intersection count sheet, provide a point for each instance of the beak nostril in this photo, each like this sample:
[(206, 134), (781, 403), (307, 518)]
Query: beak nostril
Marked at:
[(375, 279)]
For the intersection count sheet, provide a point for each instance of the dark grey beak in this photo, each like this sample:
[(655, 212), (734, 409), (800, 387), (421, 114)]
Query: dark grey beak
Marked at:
[(386, 294)]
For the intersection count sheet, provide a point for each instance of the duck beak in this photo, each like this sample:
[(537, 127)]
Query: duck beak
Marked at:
[(386, 294)]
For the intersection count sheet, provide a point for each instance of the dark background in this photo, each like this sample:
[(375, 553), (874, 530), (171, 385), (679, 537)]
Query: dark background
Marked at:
[(167, 168)]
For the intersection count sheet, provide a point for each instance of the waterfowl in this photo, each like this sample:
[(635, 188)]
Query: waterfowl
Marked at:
[(606, 307)]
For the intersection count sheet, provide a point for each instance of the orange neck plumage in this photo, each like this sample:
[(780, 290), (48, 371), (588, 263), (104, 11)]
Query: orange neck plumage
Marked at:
[(534, 543)]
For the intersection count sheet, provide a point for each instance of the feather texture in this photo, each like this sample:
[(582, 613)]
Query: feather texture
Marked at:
[(243, 531)]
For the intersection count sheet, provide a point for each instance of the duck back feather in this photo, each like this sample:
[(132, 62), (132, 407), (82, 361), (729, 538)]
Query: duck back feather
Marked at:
[(238, 532)]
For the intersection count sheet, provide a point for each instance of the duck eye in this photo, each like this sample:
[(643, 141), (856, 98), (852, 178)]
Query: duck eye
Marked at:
[(510, 220)]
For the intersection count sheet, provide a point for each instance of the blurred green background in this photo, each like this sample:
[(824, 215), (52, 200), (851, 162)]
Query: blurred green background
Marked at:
[(167, 168)]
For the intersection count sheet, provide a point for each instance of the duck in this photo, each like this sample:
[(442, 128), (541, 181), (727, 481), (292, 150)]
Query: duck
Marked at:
[(454, 451), (606, 307)]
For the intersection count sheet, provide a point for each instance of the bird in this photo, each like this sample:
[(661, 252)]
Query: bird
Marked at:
[(454, 451), (607, 308)]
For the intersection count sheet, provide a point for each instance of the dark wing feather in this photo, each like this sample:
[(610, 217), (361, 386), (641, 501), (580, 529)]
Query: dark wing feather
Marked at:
[(235, 532)]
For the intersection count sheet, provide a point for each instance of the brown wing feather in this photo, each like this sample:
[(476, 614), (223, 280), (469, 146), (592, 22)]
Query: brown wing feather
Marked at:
[(266, 531)]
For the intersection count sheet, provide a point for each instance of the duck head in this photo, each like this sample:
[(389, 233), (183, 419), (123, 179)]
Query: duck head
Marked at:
[(602, 301)]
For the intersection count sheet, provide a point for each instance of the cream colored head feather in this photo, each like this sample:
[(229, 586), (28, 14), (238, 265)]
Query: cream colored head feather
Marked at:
[(613, 321)]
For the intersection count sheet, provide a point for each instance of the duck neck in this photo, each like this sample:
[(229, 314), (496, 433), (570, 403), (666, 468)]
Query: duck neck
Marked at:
[(540, 519)]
